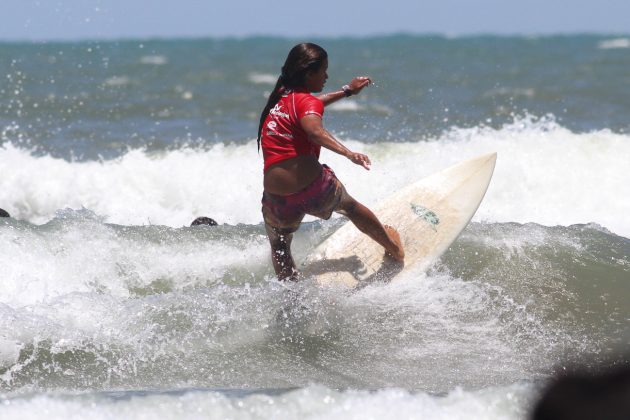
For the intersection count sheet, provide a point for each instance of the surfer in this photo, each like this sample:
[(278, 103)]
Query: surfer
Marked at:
[(295, 183)]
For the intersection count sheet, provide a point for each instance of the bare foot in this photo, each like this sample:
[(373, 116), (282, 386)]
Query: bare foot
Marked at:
[(398, 253)]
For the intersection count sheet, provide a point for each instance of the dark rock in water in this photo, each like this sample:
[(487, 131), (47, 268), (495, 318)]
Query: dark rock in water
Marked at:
[(204, 221), (4, 213)]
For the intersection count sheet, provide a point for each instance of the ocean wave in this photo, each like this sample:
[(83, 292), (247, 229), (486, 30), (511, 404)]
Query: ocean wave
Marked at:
[(545, 174), (155, 60), (511, 92), (510, 402), (614, 43), (348, 105), (131, 260), (90, 305), (116, 81), (262, 78)]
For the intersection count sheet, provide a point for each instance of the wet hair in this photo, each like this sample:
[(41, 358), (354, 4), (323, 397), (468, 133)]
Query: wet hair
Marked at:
[(4, 213), (302, 59), (204, 221)]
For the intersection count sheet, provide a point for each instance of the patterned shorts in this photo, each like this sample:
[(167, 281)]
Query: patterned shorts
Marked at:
[(284, 213)]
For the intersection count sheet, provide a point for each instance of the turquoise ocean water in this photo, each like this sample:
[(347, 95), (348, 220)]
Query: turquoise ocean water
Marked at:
[(112, 307)]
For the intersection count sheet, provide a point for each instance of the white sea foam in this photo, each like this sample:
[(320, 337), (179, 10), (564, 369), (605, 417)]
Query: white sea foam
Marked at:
[(117, 81), (155, 60), (545, 174), (313, 402), (72, 283), (263, 78), (9, 352), (511, 92), (82, 255), (171, 188), (348, 105), (615, 43)]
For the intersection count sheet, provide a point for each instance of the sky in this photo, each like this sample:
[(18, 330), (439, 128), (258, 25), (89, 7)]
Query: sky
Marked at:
[(42, 20)]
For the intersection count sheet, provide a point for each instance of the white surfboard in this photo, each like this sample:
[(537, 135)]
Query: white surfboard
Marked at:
[(429, 215)]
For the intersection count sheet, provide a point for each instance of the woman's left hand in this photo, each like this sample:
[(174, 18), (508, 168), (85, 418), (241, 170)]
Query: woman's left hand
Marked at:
[(358, 83)]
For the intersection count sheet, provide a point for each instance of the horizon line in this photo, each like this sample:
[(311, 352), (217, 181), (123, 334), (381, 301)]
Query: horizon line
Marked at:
[(184, 37)]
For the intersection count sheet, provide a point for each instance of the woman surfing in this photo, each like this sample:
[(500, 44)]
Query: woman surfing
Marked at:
[(291, 134)]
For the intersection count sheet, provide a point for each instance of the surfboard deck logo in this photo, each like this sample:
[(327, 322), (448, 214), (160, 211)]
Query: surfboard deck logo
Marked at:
[(428, 215)]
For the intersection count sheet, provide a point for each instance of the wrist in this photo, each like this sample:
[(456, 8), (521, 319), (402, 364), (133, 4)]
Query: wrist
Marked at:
[(347, 91)]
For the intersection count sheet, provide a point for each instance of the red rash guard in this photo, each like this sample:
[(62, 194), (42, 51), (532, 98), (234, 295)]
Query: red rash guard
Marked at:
[(282, 135)]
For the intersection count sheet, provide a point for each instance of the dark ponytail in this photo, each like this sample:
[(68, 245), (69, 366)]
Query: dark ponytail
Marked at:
[(301, 59), (274, 98)]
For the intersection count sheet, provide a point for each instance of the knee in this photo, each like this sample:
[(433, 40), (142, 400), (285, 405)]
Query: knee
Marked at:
[(348, 208)]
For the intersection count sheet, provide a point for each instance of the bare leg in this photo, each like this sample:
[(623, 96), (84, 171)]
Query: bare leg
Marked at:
[(368, 223), (281, 257)]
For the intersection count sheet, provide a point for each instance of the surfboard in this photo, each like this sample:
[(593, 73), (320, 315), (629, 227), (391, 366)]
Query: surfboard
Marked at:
[(428, 214)]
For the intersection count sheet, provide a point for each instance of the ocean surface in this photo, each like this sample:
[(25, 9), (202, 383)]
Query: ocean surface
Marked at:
[(112, 306)]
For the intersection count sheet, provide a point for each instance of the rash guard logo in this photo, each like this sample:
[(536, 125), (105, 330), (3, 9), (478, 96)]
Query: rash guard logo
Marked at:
[(276, 111)]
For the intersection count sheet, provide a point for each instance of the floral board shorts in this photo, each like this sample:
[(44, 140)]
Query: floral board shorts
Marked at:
[(284, 213)]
